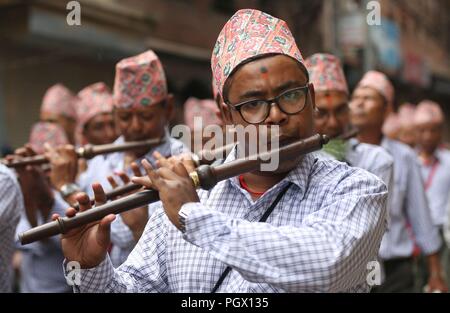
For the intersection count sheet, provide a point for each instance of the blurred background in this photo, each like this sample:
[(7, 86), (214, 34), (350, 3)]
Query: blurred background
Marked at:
[(38, 48)]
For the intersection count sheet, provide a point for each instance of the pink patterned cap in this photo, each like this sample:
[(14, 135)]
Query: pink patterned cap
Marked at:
[(59, 100), (325, 72), (428, 111), (45, 132), (206, 109), (214, 89), (140, 81), (380, 83), (248, 34), (93, 99)]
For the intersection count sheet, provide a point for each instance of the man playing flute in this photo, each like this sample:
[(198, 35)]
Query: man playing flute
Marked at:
[(95, 121), (58, 106), (39, 260), (142, 109), (327, 219), (332, 118)]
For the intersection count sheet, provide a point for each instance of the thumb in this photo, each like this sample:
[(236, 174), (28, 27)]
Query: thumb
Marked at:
[(104, 230)]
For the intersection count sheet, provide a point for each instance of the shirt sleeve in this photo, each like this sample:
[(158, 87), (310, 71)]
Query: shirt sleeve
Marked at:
[(43, 246), (326, 253), (144, 271), (447, 227), (418, 211)]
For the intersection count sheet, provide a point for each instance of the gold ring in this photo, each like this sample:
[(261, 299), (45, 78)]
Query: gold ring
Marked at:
[(195, 179)]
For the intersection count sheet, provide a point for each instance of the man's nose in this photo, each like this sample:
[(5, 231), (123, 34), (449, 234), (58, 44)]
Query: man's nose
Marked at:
[(276, 116), (110, 132), (135, 125), (333, 122)]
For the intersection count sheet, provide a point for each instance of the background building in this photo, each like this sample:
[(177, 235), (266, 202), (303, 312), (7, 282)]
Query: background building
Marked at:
[(38, 48)]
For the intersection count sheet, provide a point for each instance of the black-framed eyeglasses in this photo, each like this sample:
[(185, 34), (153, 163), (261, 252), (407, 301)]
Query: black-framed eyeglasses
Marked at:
[(290, 102)]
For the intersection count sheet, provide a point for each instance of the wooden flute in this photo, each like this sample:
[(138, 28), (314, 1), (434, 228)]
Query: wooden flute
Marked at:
[(205, 177)]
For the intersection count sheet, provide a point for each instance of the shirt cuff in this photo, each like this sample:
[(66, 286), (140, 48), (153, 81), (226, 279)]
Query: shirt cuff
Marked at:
[(88, 280), (203, 225)]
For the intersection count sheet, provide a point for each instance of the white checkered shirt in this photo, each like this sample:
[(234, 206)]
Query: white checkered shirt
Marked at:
[(319, 238), (11, 206), (101, 167), (407, 204)]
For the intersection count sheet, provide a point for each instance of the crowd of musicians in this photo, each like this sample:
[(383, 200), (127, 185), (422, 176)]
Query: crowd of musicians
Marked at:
[(313, 225)]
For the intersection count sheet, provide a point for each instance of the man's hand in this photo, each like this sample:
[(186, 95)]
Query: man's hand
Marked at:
[(436, 282), (173, 183), (135, 219), (64, 164), (36, 189), (184, 158), (88, 244)]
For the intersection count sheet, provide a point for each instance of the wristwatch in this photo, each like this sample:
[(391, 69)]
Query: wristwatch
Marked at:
[(68, 189), (182, 216)]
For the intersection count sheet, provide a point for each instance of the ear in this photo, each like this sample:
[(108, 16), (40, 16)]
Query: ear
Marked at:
[(312, 95), (226, 112)]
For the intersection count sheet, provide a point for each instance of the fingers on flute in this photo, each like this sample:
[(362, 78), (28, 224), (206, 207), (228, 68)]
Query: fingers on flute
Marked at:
[(136, 170), (29, 150), (155, 178), (160, 160), (124, 177), (70, 212), (143, 180), (84, 201), (112, 182), (99, 194), (180, 170), (104, 230)]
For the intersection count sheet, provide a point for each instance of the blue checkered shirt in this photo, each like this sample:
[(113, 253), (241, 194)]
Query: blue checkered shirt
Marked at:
[(11, 206), (319, 238), (407, 205)]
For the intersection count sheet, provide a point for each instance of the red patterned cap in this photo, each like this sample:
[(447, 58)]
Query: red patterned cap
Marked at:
[(59, 100), (140, 81), (248, 34), (45, 132), (206, 109), (325, 72)]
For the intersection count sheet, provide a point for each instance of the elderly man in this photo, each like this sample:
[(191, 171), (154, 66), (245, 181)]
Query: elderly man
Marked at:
[(142, 109), (370, 104), (434, 163), (95, 121), (39, 260), (327, 220), (333, 119), (58, 106)]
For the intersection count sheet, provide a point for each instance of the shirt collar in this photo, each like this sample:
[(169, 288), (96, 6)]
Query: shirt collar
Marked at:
[(299, 176)]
